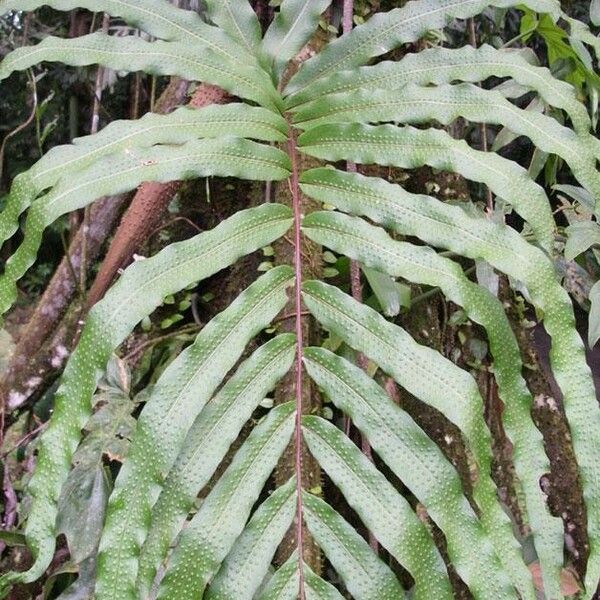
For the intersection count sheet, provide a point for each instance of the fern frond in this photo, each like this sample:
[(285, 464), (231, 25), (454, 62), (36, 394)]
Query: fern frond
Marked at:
[(158, 58), (386, 31), (180, 126), (364, 574), (289, 32), (416, 460), (159, 18), (246, 566), (213, 530), (407, 147), (237, 18), (223, 545), (162, 432), (441, 66), (381, 508), (446, 103), (424, 372), (450, 227), (124, 171), (213, 432), (373, 247), (138, 292)]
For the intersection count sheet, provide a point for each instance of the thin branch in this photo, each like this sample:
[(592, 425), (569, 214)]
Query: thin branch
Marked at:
[(355, 275), (159, 339), (35, 101), (24, 439), (482, 127), (93, 129)]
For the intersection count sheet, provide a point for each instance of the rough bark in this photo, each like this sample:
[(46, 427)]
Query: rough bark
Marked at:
[(32, 366), (22, 376), (146, 209)]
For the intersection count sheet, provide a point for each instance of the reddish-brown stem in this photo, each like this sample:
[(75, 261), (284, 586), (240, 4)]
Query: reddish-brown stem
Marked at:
[(297, 209)]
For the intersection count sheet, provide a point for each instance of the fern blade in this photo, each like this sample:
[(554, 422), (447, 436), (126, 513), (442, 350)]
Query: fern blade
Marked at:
[(239, 20), (291, 29), (211, 435), (212, 532), (247, 564), (365, 576), (158, 58), (125, 171), (387, 514), (375, 248), (423, 372), (407, 147), (441, 66), (140, 290), (451, 228), (157, 17), (386, 31)]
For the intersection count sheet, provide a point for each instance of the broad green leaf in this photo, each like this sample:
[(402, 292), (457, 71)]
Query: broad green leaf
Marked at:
[(84, 496), (237, 18), (140, 290), (289, 32), (407, 147), (594, 318), (581, 236), (388, 30), (81, 508), (158, 58), (392, 296), (179, 127), (157, 17), (364, 574), (444, 65), (452, 228), (213, 530), (423, 372), (211, 435), (415, 105), (595, 12), (162, 432), (125, 170), (361, 241), (415, 459), (83, 587), (247, 564), (284, 583), (381, 508)]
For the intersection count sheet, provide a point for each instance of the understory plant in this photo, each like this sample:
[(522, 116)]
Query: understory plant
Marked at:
[(332, 108)]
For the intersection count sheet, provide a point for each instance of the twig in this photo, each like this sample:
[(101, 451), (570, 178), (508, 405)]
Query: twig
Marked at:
[(174, 220), (355, 276), (93, 129), (24, 439), (31, 117), (482, 127), (159, 339)]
